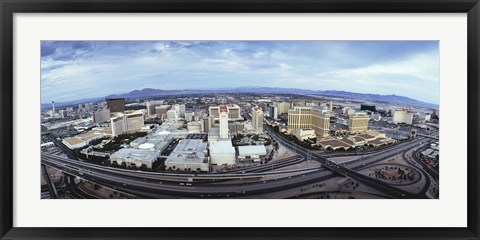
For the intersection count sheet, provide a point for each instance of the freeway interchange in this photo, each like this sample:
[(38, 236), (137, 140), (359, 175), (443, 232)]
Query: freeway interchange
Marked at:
[(248, 182)]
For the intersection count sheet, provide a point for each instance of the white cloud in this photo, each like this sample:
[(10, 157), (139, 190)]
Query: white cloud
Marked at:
[(287, 64)]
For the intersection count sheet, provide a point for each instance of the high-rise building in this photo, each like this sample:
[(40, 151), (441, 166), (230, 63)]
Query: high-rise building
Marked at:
[(233, 111), (124, 123), (402, 117), (52, 113), (330, 106), (213, 111), (321, 121), (135, 121), (236, 127), (150, 105), (223, 119), (116, 104), (273, 111), (172, 115), (299, 118), (257, 119), (316, 118), (282, 107), (207, 124), (62, 113), (365, 107), (189, 116), (161, 111), (101, 116), (88, 106), (348, 111), (358, 122), (180, 109), (424, 117), (118, 125)]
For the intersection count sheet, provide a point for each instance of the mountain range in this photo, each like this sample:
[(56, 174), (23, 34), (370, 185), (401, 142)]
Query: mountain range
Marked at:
[(152, 92)]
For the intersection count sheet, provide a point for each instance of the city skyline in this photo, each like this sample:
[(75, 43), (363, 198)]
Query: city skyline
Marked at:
[(72, 70), (220, 146)]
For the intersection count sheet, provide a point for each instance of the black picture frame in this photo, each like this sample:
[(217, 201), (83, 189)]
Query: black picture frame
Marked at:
[(9, 7)]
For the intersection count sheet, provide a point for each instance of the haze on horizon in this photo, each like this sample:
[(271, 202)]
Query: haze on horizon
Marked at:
[(72, 70)]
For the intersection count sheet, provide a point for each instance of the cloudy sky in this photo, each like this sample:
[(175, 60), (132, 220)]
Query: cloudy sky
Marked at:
[(72, 70)]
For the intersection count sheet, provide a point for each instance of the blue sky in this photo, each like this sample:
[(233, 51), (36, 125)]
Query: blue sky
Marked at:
[(72, 70)]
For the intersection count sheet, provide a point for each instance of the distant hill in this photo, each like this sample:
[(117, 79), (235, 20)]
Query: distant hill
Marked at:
[(377, 97), (151, 92)]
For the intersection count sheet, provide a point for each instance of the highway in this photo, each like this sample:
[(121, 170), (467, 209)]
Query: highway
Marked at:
[(51, 159), (426, 187), (364, 161), (271, 166), (152, 188), (173, 185), (427, 168)]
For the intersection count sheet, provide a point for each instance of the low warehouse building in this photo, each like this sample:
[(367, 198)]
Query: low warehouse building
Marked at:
[(189, 155), (222, 152), (83, 139), (252, 152), (134, 158), (303, 134)]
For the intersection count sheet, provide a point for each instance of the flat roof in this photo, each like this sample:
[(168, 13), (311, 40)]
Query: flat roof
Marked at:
[(334, 143), (87, 136), (223, 108), (136, 154), (190, 145), (146, 146), (73, 140), (366, 136), (214, 132), (252, 150), (378, 141), (188, 151), (257, 109), (194, 123), (219, 147), (357, 138), (347, 141)]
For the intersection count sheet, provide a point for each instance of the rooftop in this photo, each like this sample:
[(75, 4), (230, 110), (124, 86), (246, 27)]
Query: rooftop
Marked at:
[(334, 143), (190, 145), (220, 147), (223, 108), (189, 150), (214, 131), (136, 154), (366, 136), (252, 150), (92, 134)]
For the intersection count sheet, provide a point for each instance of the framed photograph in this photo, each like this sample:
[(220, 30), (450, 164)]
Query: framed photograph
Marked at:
[(246, 120)]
